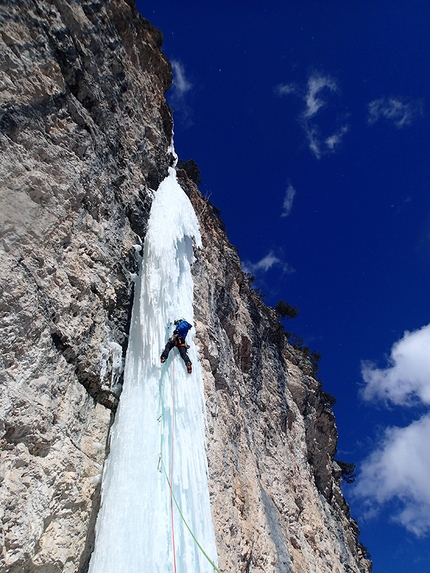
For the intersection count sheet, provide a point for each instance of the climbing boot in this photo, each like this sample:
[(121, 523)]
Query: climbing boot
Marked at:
[(189, 369), (163, 360)]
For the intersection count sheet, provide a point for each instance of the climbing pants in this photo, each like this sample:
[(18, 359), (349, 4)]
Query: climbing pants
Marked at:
[(179, 342)]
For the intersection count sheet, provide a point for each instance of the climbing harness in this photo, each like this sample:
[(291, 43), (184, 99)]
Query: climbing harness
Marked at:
[(180, 341), (169, 478)]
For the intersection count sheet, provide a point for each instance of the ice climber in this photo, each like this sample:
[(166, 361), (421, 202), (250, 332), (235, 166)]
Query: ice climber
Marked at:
[(178, 340)]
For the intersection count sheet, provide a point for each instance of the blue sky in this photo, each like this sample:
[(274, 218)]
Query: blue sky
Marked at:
[(310, 125)]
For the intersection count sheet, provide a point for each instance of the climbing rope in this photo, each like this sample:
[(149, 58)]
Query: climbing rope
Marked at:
[(170, 478), (172, 454)]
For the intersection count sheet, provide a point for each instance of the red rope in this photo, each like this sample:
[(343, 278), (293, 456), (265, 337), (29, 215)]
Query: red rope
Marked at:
[(171, 465)]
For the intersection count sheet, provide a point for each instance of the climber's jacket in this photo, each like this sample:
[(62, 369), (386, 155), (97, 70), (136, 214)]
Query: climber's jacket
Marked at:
[(182, 328)]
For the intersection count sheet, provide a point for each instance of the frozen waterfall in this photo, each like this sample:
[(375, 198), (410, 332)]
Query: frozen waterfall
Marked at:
[(157, 439)]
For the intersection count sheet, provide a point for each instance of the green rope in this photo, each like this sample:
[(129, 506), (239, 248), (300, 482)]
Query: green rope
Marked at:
[(161, 463), (186, 524)]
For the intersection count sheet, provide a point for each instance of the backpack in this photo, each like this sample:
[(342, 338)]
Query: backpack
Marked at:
[(183, 327)]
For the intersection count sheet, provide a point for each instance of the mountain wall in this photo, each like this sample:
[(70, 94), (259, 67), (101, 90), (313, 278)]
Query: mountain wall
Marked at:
[(84, 142), (275, 488)]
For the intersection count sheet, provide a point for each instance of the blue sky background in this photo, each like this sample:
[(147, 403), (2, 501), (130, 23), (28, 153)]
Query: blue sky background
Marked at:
[(309, 121)]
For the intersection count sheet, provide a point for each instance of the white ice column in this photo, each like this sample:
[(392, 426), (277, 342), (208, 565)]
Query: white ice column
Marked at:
[(160, 417)]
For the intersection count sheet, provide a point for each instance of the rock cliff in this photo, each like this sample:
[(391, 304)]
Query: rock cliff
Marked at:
[(84, 141), (275, 489)]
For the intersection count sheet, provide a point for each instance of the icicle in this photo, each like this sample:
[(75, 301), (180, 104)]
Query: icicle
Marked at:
[(134, 526)]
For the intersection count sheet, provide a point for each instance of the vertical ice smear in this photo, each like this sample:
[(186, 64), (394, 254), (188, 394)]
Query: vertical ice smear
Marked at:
[(161, 406)]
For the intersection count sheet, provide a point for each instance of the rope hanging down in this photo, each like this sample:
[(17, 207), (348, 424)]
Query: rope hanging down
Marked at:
[(170, 479), (171, 467)]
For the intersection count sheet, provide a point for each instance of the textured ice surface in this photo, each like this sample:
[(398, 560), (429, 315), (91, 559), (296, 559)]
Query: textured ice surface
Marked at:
[(160, 405)]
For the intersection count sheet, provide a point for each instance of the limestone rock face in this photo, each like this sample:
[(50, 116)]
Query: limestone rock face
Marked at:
[(84, 142), (84, 137), (275, 489)]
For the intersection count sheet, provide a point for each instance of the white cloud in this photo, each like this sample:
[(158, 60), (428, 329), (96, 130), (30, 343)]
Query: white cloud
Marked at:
[(180, 84), (408, 374), (399, 468), (320, 146), (318, 85), (318, 88), (335, 139), (288, 201), (266, 263), (399, 111), (177, 96), (313, 98), (286, 89), (314, 139), (316, 97)]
